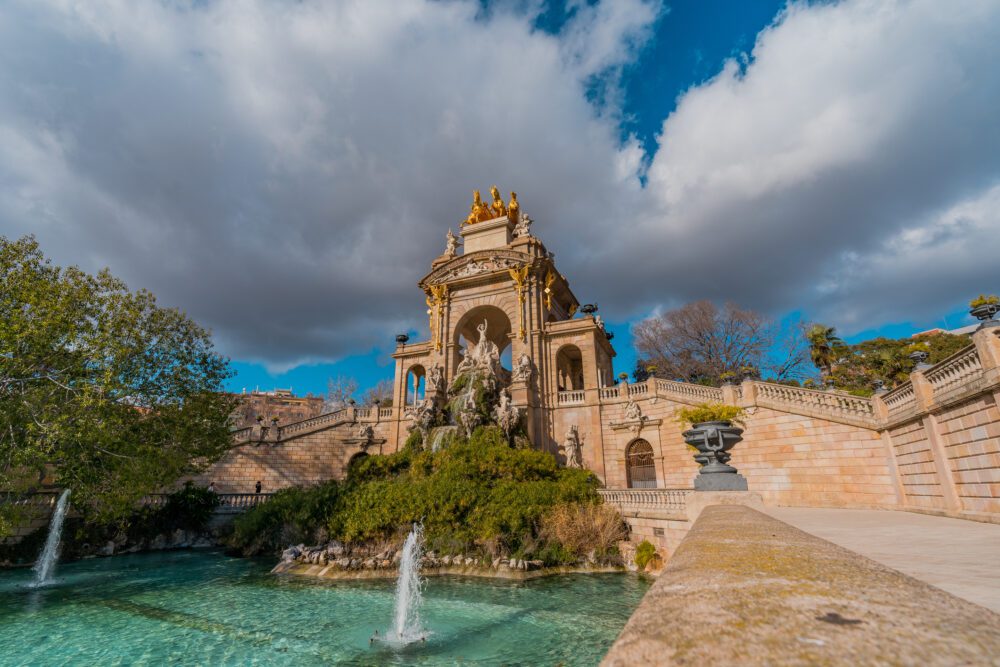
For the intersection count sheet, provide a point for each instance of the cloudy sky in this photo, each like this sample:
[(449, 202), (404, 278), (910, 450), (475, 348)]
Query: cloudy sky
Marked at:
[(284, 171)]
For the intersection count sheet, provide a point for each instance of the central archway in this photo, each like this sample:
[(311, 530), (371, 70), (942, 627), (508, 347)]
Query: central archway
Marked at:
[(498, 330)]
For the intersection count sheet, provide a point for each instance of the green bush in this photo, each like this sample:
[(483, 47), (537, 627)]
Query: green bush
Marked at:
[(475, 495), (710, 412), (984, 300), (292, 515), (644, 553)]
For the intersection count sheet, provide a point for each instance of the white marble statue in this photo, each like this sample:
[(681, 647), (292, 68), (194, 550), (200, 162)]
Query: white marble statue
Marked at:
[(573, 447), (523, 227), (506, 414), (451, 245), (522, 369), (632, 411)]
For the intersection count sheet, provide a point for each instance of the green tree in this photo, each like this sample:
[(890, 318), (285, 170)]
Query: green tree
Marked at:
[(887, 360), (101, 390), (824, 347)]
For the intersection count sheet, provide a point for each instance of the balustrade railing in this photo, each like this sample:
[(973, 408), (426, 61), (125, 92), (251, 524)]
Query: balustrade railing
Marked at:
[(42, 499), (608, 392), (362, 413), (957, 369), (384, 412), (570, 397), (690, 391), (638, 389), (900, 399), (646, 499), (313, 422), (784, 396)]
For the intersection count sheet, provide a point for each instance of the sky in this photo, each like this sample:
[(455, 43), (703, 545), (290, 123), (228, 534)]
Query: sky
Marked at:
[(284, 172)]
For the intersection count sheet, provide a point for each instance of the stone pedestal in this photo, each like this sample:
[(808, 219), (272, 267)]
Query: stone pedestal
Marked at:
[(487, 235), (720, 481)]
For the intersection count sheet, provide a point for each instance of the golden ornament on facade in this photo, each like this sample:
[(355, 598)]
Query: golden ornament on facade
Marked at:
[(550, 279), (480, 211)]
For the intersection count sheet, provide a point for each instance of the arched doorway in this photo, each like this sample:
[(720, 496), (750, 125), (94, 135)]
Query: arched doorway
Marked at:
[(640, 469), (569, 368)]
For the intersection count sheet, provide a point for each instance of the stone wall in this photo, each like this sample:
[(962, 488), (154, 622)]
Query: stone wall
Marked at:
[(303, 457)]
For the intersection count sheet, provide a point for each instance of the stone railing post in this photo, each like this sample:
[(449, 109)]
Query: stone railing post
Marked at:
[(748, 394), (729, 395), (987, 343), (623, 389), (923, 392)]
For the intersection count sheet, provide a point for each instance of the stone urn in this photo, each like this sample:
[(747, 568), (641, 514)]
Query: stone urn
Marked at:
[(713, 440), (985, 313)]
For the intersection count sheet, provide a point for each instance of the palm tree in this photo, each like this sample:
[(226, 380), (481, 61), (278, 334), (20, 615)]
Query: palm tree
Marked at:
[(824, 345)]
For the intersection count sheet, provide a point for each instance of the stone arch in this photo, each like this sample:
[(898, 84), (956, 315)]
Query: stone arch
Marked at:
[(416, 384), (358, 456), (569, 368), (640, 466), (498, 328)]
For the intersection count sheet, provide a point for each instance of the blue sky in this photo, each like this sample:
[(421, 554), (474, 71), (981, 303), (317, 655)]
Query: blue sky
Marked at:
[(285, 172)]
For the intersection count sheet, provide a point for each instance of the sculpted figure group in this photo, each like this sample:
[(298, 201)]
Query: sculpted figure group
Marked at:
[(481, 211)]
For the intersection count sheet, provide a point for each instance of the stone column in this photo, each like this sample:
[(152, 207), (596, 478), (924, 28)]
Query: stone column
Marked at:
[(924, 394)]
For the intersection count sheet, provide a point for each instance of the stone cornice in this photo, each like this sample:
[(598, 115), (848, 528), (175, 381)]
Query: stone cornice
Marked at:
[(476, 265)]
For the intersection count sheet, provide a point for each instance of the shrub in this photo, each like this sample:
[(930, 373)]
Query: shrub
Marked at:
[(710, 412), (644, 553), (296, 514), (984, 300), (573, 531)]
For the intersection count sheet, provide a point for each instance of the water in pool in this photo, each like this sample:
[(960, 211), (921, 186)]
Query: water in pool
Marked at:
[(197, 607)]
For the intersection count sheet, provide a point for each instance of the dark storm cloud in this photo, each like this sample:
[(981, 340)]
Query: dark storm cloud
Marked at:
[(285, 173)]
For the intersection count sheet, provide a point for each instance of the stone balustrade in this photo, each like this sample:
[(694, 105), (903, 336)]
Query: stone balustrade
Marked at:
[(575, 397), (229, 503), (313, 422), (825, 403), (958, 369), (901, 400), (630, 501), (606, 393), (687, 392), (638, 389), (38, 499)]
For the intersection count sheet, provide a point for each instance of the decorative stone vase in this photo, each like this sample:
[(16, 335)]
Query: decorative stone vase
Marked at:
[(713, 440), (985, 314)]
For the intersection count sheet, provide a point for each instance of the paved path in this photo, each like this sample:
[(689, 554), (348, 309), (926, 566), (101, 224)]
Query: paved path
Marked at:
[(959, 556)]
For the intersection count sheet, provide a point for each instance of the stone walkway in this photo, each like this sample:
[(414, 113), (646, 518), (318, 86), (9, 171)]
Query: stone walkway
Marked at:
[(955, 555)]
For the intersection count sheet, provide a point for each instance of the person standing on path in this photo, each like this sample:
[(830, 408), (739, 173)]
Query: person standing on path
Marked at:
[(257, 488)]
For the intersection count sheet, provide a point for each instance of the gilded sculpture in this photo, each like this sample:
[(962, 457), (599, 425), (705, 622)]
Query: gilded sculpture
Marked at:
[(513, 209), (479, 211), (499, 210)]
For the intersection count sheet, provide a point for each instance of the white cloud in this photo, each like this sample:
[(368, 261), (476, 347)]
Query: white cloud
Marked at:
[(286, 171)]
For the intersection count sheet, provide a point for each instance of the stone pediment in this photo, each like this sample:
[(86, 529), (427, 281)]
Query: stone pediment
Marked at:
[(481, 262)]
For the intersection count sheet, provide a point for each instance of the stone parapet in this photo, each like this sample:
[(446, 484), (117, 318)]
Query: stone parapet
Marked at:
[(746, 589)]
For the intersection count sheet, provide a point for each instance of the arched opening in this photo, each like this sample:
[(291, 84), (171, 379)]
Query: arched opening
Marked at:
[(498, 330), (354, 460), (569, 368), (640, 469), (416, 384)]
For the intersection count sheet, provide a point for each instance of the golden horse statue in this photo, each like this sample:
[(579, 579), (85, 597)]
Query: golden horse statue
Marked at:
[(499, 210), (479, 211)]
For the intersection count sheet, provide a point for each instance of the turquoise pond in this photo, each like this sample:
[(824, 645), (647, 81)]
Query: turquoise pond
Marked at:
[(198, 607)]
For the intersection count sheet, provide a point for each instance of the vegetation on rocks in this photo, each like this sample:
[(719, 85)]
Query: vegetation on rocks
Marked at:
[(644, 553), (476, 496)]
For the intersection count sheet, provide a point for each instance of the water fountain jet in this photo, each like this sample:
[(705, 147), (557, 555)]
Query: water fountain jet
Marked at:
[(45, 567), (406, 627)]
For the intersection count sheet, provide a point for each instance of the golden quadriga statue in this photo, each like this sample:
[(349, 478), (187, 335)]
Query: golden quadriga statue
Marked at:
[(480, 211)]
